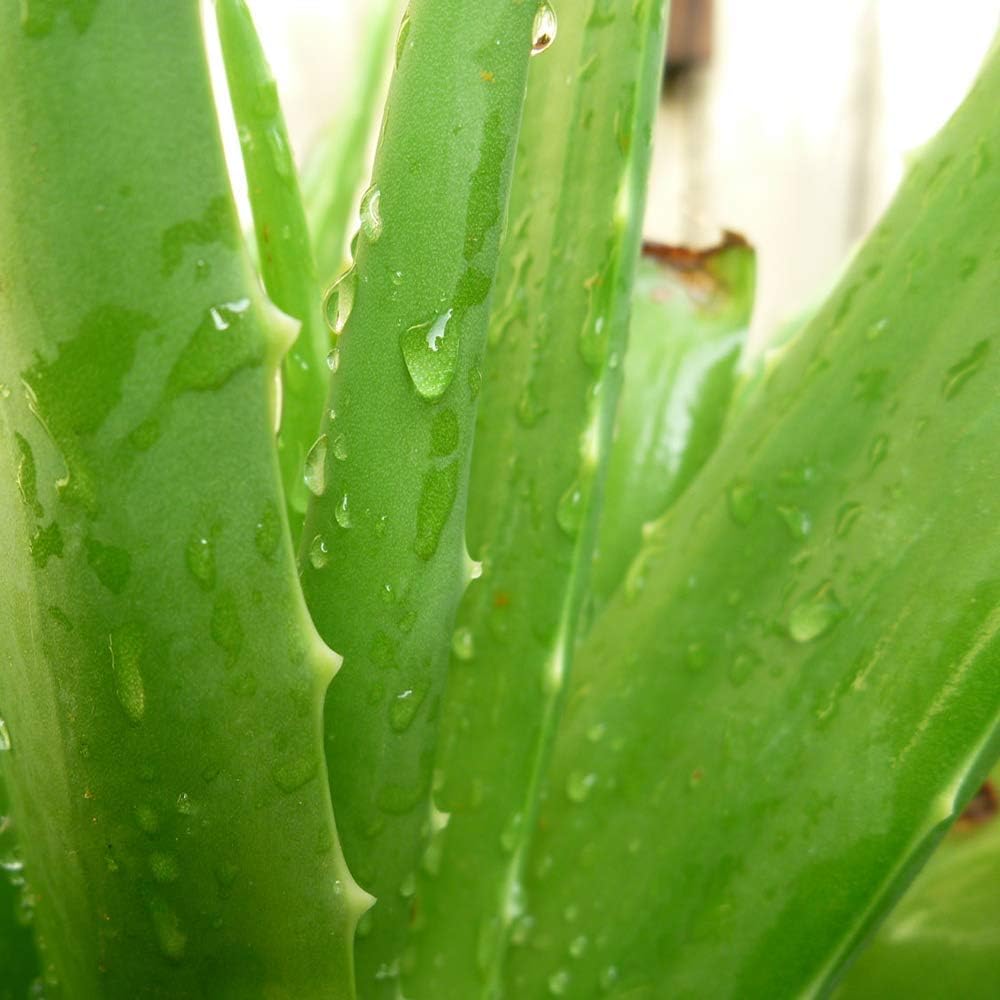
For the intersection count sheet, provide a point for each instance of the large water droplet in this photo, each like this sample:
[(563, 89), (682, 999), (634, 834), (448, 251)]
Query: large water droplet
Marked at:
[(815, 614), (126, 647), (339, 301), (463, 644), (430, 351), (4, 736), (315, 469), (371, 213), (543, 30), (319, 554)]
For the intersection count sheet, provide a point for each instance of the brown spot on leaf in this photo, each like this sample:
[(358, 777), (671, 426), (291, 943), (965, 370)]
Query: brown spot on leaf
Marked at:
[(694, 268), (983, 807)]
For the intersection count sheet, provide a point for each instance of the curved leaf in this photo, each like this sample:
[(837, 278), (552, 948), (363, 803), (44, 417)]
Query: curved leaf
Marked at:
[(690, 316), (549, 397), (161, 683), (384, 562), (764, 739)]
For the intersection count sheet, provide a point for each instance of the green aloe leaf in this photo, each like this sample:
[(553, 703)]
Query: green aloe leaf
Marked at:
[(162, 685), (283, 243), (334, 171), (19, 965), (549, 396), (690, 316), (764, 740), (384, 563), (943, 938)]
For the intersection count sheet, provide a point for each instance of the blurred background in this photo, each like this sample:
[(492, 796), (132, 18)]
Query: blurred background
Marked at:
[(787, 120)]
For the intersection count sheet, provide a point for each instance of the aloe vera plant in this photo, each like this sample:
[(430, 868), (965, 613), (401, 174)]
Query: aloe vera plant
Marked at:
[(474, 624)]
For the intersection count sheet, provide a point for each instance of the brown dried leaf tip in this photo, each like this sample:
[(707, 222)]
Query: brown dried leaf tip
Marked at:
[(983, 807)]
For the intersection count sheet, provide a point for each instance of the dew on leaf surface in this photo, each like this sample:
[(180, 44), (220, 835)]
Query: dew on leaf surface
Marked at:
[(430, 351), (544, 28), (339, 301), (314, 474)]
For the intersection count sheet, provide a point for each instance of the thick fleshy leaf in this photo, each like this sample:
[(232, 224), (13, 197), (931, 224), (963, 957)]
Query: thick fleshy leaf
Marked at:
[(160, 681), (19, 964), (283, 244), (690, 316), (335, 169), (943, 938), (384, 563), (765, 739), (561, 316)]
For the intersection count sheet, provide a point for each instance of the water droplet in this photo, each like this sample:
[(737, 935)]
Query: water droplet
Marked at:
[(578, 946), (340, 447), (339, 301), (401, 38), (742, 666), (879, 450), (164, 867), (437, 499), (463, 645), (404, 707), (169, 934), (877, 329), (267, 533), (200, 558), (408, 887), (609, 978), (578, 786), (559, 983), (315, 468), (319, 554), (184, 804), (371, 213), (333, 360), (570, 509), (5, 743), (959, 374), (543, 30), (381, 524), (444, 433), (847, 515), (126, 647), (743, 502), (430, 351), (342, 512), (797, 521), (511, 833), (815, 614), (290, 775)]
